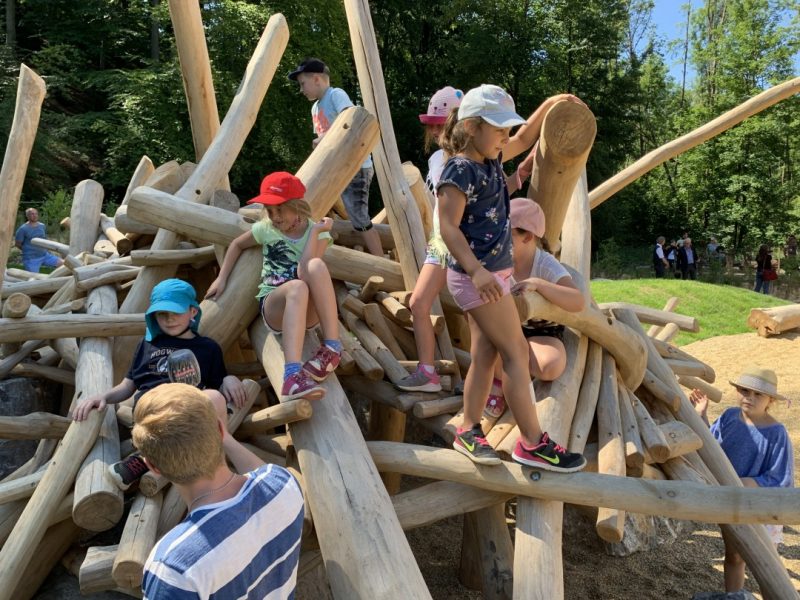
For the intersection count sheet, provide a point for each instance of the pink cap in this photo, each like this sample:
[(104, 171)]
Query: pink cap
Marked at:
[(442, 102), (528, 215)]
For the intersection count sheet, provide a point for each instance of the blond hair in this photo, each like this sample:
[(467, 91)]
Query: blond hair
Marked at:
[(176, 429), (455, 136), (299, 205)]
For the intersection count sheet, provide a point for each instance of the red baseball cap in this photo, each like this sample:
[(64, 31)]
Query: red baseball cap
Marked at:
[(279, 187)]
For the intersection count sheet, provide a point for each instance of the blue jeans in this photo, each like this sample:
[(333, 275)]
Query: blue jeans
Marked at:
[(356, 199), (761, 285), (34, 264)]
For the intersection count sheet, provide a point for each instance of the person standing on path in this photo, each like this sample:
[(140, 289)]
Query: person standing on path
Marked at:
[(660, 262)]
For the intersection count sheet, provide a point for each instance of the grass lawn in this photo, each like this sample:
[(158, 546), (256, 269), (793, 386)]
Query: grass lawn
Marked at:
[(720, 309)]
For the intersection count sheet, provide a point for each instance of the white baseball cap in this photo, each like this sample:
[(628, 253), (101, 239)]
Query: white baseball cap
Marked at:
[(492, 104)]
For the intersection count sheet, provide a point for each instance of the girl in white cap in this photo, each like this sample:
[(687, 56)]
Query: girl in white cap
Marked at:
[(535, 269), (757, 445), (474, 221)]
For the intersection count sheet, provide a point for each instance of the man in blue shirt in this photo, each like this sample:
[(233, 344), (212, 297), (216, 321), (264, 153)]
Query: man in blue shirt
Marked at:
[(313, 77), (33, 257)]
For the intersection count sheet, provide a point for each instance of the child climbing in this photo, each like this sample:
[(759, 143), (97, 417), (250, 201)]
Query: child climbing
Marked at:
[(757, 445), (535, 269), (296, 291), (474, 220)]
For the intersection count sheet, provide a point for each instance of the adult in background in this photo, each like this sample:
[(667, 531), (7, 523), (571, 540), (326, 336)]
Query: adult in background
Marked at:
[(672, 258), (241, 536), (687, 260), (34, 257), (660, 262), (763, 263), (712, 248), (791, 246)]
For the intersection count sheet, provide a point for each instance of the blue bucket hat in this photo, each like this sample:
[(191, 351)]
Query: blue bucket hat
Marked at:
[(171, 295)]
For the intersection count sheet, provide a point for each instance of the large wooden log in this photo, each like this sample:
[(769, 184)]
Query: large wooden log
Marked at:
[(669, 306), (652, 437), (585, 408), (128, 225), (138, 539), (55, 543), (611, 448), (16, 306), (143, 258), (115, 236), (679, 500), (87, 204), (29, 530), (18, 489), (538, 535), (344, 234), (753, 543), (95, 571), (672, 149), (421, 194), (28, 107), (616, 337), (634, 450), (272, 416), (654, 316), (33, 426), (567, 136), (691, 383), (774, 320), (214, 165), (366, 554), (44, 327), (401, 208), (98, 501), (35, 287)]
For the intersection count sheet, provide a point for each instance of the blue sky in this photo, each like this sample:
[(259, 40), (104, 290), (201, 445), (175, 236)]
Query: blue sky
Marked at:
[(669, 18)]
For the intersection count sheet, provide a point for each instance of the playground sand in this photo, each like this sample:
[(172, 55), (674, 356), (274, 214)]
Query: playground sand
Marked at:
[(676, 569)]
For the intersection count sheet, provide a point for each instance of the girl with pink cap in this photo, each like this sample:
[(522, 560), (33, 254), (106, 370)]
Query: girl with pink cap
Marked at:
[(535, 269)]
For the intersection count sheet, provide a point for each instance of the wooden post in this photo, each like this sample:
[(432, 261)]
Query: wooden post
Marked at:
[(587, 398), (421, 194), (138, 539), (30, 94), (366, 554), (84, 219), (55, 543), (753, 543), (491, 550), (672, 149), (567, 136), (401, 208), (670, 306), (214, 165), (115, 236), (611, 446), (98, 503), (634, 451)]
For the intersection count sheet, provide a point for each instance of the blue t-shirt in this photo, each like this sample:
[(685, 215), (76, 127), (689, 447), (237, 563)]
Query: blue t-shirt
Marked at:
[(762, 453), (245, 547), (25, 234), (485, 222), (325, 110)]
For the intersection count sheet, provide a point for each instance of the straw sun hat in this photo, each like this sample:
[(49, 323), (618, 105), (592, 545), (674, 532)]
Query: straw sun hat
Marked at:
[(759, 380)]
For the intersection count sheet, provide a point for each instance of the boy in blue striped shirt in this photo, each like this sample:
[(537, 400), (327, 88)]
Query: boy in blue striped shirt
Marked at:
[(241, 538)]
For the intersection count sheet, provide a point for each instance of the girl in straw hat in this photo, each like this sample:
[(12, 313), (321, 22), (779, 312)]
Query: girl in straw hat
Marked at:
[(757, 445)]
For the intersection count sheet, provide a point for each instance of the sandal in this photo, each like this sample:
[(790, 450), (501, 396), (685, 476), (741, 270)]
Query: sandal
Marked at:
[(495, 406)]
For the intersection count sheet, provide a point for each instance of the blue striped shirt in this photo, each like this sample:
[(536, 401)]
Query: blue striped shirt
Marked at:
[(245, 547)]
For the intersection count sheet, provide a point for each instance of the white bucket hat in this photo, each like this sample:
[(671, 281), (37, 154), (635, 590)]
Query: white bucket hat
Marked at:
[(492, 104), (759, 380)]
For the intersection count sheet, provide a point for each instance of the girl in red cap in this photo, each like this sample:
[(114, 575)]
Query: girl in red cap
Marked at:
[(296, 291)]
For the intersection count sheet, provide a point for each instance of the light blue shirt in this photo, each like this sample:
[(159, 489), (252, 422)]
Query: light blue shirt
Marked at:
[(325, 110)]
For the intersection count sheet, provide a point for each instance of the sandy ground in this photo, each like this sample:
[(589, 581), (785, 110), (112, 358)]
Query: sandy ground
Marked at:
[(676, 569)]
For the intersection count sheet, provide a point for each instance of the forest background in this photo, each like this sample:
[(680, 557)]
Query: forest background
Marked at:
[(115, 93)]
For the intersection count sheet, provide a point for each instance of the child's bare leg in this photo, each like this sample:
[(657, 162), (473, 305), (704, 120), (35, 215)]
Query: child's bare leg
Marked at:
[(373, 241), (285, 311), (499, 322), (323, 298), (734, 566), (547, 357), (430, 283), (479, 377)]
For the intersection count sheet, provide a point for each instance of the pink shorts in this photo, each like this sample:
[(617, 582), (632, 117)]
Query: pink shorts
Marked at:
[(466, 294)]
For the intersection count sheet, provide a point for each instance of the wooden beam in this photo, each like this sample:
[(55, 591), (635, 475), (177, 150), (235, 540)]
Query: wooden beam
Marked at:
[(44, 327)]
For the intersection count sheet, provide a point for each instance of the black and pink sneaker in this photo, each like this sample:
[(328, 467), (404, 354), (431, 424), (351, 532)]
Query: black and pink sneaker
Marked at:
[(323, 363), (549, 456), (472, 443)]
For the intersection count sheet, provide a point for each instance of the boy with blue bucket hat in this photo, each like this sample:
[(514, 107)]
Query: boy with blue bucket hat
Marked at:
[(172, 320)]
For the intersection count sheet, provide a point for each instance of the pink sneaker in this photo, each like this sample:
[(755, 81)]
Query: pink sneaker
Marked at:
[(300, 385), (322, 363), (495, 406)]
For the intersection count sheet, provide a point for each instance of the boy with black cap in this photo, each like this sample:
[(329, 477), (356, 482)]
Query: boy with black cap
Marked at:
[(313, 77), (172, 320)]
